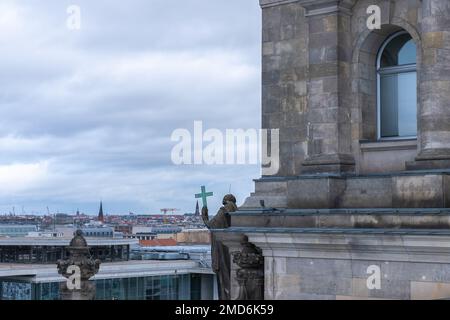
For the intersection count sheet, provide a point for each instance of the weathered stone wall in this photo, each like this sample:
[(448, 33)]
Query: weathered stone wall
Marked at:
[(395, 16), (327, 114), (327, 266), (319, 80), (313, 279), (284, 81), (435, 81)]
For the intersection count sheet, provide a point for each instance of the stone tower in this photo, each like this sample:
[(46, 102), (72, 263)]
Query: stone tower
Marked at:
[(350, 201)]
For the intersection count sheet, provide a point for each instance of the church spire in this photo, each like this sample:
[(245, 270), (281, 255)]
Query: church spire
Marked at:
[(197, 210), (100, 213)]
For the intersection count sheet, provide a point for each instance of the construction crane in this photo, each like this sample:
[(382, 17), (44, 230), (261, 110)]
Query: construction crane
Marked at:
[(165, 210)]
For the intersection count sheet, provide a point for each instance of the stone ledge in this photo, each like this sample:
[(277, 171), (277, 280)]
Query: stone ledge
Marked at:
[(339, 231), (366, 220), (273, 3), (444, 171), (427, 164), (340, 211), (387, 245), (406, 189), (388, 145)]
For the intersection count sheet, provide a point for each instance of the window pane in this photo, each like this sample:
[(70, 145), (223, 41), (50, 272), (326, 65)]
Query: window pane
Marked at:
[(400, 51), (398, 105), (407, 104), (389, 111)]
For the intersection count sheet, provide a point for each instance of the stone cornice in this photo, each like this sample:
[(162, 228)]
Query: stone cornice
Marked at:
[(273, 3), (318, 7), (386, 247), (315, 7)]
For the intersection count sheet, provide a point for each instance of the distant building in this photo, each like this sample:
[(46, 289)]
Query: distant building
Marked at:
[(16, 230), (101, 218), (197, 209), (141, 229), (67, 231), (194, 236), (133, 280), (167, 230), (142, 236), (45, 234), (63, 219), (199, 253), (48, 251), (158, 242), (29, 272), (102, 232), (124, 228)]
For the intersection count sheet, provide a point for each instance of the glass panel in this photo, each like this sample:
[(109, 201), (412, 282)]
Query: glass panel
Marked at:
[(389, 111), (116, 293), (108, 291), (196, 287), (400, 51), (16, 291), (407, 104), (398, 105)]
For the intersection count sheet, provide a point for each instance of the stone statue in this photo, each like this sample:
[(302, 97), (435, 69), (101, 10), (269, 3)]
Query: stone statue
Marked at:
[(251, 275), (219, 252), (79, 259)]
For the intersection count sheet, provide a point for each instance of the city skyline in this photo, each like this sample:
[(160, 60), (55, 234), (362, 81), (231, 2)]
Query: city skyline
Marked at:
[(88, 114)]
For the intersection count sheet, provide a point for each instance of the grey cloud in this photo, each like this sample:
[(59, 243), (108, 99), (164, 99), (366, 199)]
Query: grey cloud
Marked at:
[(98, 106)]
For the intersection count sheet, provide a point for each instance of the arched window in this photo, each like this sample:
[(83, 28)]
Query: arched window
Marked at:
[(397, 87)]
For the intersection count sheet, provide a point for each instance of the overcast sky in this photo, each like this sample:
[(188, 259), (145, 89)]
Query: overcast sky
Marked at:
[(87, 115)]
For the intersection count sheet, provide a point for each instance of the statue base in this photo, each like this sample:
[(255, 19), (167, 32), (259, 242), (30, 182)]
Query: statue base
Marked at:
[(87, 291)]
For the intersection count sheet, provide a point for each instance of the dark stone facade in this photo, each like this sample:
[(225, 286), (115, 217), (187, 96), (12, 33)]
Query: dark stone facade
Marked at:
[(344, 200)]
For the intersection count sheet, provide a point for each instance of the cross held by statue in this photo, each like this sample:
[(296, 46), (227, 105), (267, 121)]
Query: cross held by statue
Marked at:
[(204, 195)]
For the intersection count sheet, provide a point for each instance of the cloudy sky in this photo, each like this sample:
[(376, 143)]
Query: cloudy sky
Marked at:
[(87, 115)]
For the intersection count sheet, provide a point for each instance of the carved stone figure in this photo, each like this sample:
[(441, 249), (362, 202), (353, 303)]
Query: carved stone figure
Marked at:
[(79, 259), (219, 252), (251, 275)]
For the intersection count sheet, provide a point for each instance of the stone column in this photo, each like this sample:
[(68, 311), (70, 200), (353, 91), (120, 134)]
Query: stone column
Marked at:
[(329, 88), (434, 81)]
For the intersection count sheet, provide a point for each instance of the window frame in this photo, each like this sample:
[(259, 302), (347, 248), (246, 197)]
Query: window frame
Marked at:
[(406, 68)]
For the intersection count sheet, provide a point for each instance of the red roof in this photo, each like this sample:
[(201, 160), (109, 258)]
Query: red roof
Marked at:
[(158, 242)]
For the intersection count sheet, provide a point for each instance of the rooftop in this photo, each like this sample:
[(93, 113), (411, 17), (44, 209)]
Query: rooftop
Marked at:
[(158, 242), (63, 241), (180, 248), (108, 270)]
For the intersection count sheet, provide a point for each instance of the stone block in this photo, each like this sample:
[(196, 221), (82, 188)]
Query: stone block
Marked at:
[(367, 192), (429, 290), (286, 286), (323, 70), (268, 48), (390, 289), (271, 63), (314, 193), (433, 39), (325, 285), (270, 78), (423, 191)]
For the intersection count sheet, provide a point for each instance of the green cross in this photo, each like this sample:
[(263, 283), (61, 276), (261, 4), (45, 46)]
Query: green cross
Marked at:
[(204, 195)]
